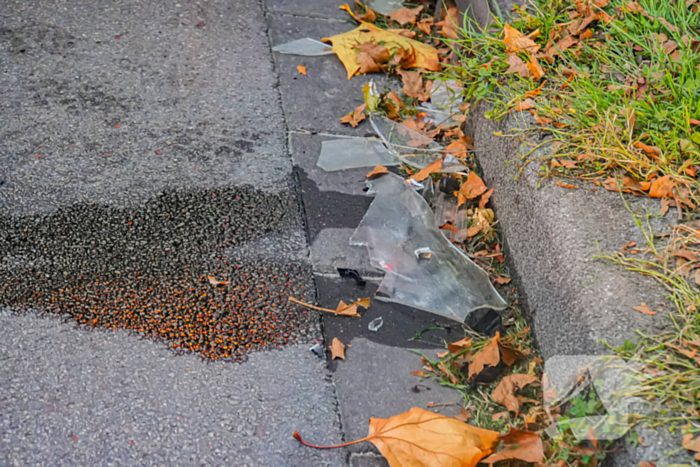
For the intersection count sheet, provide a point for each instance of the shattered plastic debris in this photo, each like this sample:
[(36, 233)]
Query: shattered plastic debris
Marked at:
[(317, 349), (399, 221), (348, 153), (375, 324), (446, 96), (445, 208), (437, 117), (306, 46), (385, 7), (352, 274), (423, 253), (414, 184), (411, 147)]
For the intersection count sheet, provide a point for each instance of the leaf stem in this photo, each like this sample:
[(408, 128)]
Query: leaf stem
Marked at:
[(297, 436)]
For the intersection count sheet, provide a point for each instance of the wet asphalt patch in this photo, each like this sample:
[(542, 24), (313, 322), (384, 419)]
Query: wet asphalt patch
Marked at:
[(147, 269)]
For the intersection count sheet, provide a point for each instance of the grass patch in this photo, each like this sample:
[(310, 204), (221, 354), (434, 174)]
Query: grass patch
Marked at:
[(619, 96)]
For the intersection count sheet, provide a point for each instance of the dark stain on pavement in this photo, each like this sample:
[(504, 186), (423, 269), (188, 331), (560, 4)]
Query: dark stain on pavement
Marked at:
[(146, 269)]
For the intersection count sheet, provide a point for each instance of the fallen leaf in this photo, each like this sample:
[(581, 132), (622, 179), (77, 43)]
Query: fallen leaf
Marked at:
[(662, 186), (643, 308), (420, 438), (426, 56), (217, 283), (535, 68), (458, 346), (422, 374), (504, 393), (301, 69), (367, 63), (566, 185), (544, 121), (449, 226), (665, 205), (562, 46), (425, 25), (377, 52), (651, 151), (459, 147), (413, 84), (377, 171), (450, 24), (407, 33), (356, 116), (485, 198), (500, 416), (474, 186), (463, 415), (515, 41), (517, 65), (687, 254), (692, 444), (668, 25), (369, 14), (527, 104), (502, 280), (434, 167), (488, 356), (522, 445), (343, 309), (404, 15), (337, 349)]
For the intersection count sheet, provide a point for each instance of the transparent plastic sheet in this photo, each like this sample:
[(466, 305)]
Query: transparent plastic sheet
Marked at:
[(399, 222), (411, 147), (445, 209), (350, 153), (306, 46), (446, 96), (436, 116), (385, 7)]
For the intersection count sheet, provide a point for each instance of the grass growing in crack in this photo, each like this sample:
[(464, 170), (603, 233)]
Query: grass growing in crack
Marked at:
[(624, 97)]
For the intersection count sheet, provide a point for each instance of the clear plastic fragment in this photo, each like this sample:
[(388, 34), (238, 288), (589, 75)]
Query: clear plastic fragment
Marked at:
[(306, 46), (348, 153), (385, 7), (411, 147), (375, 324), (446, 96), (445, 209), (399, 221)]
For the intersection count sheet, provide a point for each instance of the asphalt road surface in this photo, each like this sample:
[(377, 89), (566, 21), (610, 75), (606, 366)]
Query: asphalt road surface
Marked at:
[(142, 149)]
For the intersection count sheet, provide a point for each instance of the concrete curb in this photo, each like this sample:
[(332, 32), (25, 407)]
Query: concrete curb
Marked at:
[(552, 234)]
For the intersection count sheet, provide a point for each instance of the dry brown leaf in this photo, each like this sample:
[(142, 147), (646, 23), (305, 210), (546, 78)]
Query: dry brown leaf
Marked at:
[(515, 41), (535, 68), (337, 349), (651, 151), (508, 354), (566, 185), (488, 356), (562, 45), (463, 415), (435, 167), (668, 25), (215, 282), (301, 69), (412, 84), (544, 121), (662, 186), (500, 416), (404, 15), (377, 171), (522, 445), (527, 104), (457, 347), (422, 374), (450, 24), (502, 280), (459, 147), (377, 52), (687, 254), (485, 198), (643, 308), (425, 25), (692, 444), (517, 65), (343, 309), (403, 32), (665, 205), (420, 438), (356, 116), (474, 186), (367, 63), (504, 393)]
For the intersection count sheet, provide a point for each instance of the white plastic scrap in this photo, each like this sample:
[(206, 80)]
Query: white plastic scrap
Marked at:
[(375, 324), (306, 46)]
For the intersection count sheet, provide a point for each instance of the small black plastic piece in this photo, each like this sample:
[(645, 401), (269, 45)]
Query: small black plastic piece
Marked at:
[(352, 274), (449, 185), (485, 321)]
